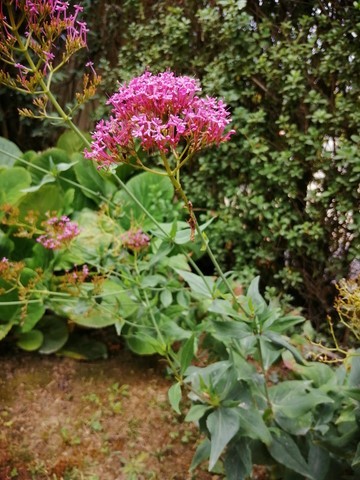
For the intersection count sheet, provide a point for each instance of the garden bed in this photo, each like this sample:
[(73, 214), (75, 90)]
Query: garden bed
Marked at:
[(107, 420)]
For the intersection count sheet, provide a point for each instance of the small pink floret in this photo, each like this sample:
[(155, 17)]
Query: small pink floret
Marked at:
[(59, 232), (135, 239)]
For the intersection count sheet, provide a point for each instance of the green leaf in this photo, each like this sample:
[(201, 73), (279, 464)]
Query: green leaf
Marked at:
[(319, 373), (34, 312), (230, 330), (174, 394), (55, 332), (285, 451), (151, 281), (48, 178), (93, 182), (356, 460), (154, 192), (269, 352), (253, 425), (238, 461), (12, 182), (196, 412), (294, 398), (47, 199), (9, 152), (71, 142), (354, 377), (294, 425), (30, 341), (5, 329), (198, 285), (319, 461), (95, 234), (223, 425), (202, 453), (166, 298), (224, 307), (186, 354), (143, 344), (254, 293), (281, 341), (81, 347)]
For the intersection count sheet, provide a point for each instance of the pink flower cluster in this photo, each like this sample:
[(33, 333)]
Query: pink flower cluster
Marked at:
[(135, 239), (161, 111), (59, 232), (45, 22)]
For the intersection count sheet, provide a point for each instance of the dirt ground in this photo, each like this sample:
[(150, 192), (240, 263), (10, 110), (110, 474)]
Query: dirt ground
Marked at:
[(62, 419)]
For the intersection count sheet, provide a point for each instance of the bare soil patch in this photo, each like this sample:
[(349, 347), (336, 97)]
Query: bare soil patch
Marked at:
[(62, 419)]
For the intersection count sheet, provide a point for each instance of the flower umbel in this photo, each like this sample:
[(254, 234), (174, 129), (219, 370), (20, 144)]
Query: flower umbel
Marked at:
[(164, 113), (59, 232), (135, 239)]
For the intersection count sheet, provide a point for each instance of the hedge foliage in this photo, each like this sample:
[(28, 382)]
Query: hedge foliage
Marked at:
[(286, 189)]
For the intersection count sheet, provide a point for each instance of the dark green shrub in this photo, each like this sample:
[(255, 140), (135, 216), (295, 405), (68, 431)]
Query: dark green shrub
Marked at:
[(285, 189)]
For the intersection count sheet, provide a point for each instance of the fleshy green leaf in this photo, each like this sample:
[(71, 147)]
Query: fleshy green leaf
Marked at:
[(55, 332), (30, 341), (12, 182), (9, 152), (154, 192), (81, 347)]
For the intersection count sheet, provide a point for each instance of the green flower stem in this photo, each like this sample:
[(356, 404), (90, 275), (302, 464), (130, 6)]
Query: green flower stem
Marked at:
[(261, 359), (21, 302), (194, 224)]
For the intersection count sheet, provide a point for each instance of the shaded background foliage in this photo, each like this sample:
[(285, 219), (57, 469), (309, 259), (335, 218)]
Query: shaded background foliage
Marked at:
[(286, 188)]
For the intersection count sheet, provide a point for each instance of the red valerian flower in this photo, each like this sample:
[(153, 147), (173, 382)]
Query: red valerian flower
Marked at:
[(162, 112), (59, 232), (135, 239)]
